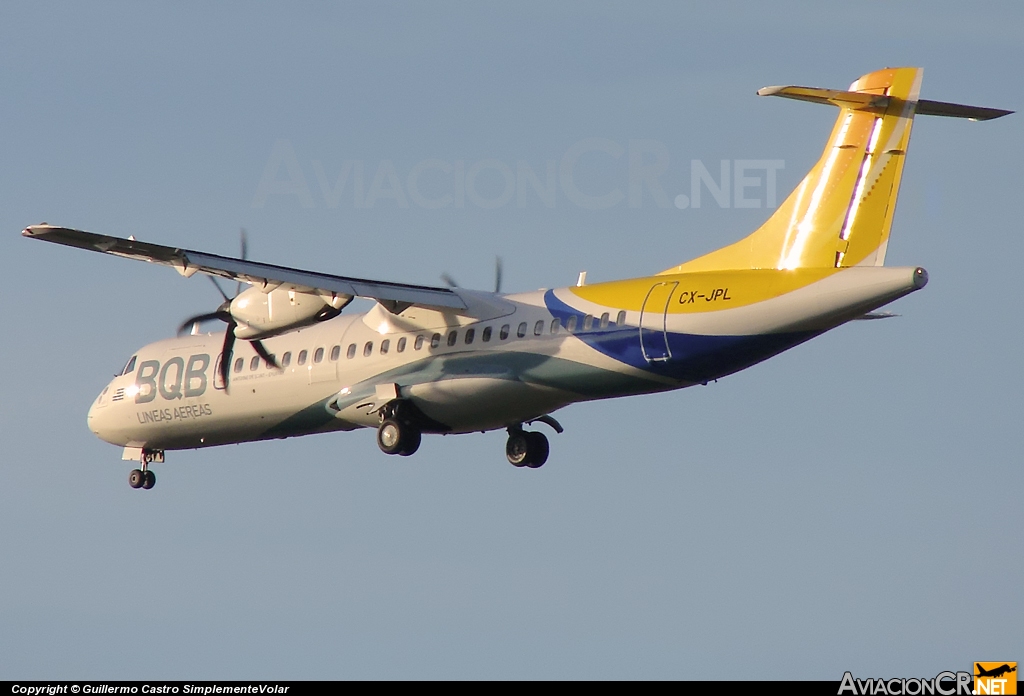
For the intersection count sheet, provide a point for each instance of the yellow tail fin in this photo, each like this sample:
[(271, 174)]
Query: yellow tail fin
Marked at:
[(841, 212)]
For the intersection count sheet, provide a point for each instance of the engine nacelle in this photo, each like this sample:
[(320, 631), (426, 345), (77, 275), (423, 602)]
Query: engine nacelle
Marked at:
[(262, 314)]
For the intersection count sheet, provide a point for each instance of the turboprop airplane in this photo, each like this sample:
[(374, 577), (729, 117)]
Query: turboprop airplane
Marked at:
[(452, 360)]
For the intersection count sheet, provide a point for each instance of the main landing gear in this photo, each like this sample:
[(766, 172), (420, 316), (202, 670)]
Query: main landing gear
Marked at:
[(400, 433), (144, 478), (396, 437), (530, 449), (526, 448), (397, 434)]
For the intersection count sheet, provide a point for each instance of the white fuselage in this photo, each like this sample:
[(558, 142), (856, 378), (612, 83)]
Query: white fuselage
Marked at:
[(505, 361), (173, 397)]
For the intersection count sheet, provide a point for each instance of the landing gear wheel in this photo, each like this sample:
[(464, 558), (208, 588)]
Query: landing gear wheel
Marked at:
[(149, 479), (539, 449), (137, 478), (389, 437), (517, 449), (396, 437), (527, 449), (411, 443)]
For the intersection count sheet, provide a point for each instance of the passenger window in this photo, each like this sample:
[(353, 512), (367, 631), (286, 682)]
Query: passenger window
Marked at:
[(351, 352), (418, 343), (588, 322), (521, 331), (538, 328), (385, 345), (555, 326), (368, 349), (239, 364), (335, 353), (401, 344), (130, 367), (453, 336), (435, 340), (254, 363), (570, 324), (302, 357), (318, 356), (273, 360), (286, 359), (604, 320), (621, 319), (485, 335), (470, 333), (503, 334)]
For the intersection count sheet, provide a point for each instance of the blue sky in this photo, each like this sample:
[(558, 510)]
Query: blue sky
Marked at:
[(853, 504)]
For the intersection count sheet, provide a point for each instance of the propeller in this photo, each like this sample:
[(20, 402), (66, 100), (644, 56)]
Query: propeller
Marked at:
[(223, 313), (244, 242), (448, 280)]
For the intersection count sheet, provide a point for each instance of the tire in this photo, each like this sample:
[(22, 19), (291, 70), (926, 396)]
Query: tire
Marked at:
[(149, 479), (411, 441), (136, 478), (539, 449), (517, 449), (390, 436)]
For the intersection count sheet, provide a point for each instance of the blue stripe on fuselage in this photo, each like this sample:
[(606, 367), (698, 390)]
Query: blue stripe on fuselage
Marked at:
[(695, 358)]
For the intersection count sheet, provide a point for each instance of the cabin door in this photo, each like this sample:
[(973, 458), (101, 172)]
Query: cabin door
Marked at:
[(654, 322)]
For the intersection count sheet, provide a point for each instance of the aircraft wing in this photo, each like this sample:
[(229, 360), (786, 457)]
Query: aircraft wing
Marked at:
[(394, 296)]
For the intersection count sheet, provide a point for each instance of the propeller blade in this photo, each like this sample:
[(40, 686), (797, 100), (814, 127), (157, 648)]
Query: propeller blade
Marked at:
[(497, 274), (219, 288), (448, 280), (225, 353), (244, 242), (198, 318), (262, 352)]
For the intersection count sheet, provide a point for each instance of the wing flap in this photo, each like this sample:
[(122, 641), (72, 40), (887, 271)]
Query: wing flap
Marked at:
[(265, 275)]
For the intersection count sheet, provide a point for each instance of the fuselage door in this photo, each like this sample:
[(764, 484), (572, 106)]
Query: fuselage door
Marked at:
[(218, 380), (323, 363), (654, 322)]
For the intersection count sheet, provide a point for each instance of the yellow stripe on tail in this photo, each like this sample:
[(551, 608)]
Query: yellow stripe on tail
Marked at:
[(841, 213)]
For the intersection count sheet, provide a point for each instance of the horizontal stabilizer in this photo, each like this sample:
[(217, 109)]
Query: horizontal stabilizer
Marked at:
[(876, 315), (836, 97), (926, 107), (875, 102)]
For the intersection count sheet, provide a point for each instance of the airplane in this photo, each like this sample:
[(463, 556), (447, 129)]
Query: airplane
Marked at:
[(427, 360), (995, 672)]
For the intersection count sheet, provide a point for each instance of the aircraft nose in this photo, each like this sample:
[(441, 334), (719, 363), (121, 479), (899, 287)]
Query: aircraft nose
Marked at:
[(94, 413), (97, 418)]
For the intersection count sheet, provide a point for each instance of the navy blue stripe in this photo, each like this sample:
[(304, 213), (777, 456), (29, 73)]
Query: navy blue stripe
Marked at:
[(695, 357)]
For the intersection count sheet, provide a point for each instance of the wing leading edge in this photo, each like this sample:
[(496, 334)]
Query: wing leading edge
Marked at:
[(394, 296)]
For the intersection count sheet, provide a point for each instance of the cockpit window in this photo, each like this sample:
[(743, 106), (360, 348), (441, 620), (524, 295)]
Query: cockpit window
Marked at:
[(130, 367)]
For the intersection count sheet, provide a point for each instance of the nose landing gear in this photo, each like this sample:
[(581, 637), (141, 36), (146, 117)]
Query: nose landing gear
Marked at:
[(144, 478), (141, 479)]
